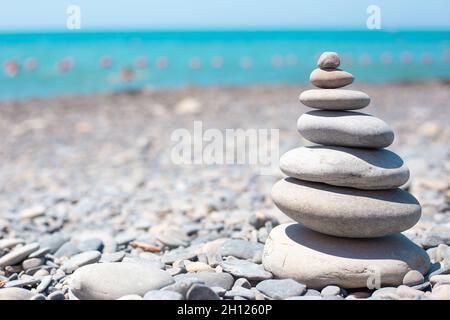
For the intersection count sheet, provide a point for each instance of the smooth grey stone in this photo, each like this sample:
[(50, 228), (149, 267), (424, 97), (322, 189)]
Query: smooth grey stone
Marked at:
[(162, 295), (20, 283), (317, 260), (39, 253), (413, 278), (241, 249), (15, 294), (240, 292), (180, 254), (244, 283), (281, 289), (113, 257), (10, 242), (92, 244), (53, 241), (345, 129), (38, 296), (109, 281), (211, 279), (328, 59), (56, 295), (314, 205), (201, 292), (18, 255), (245, 269), (334, 99), (330, 78), (68, 249), (80, 260), (330, 291), (32, 263), (365, 169)]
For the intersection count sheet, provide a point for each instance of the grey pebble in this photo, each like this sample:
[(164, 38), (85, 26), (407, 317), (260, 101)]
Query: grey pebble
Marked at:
[(241, 249), (39, 253), (9, 243), (245, 269), (38, 296), (92, 244), (56, 295), (201, 292), (281, 289), (18, 255), (52, 241), (330, 291), (21, 283), (80, 260), (68, 249), (15, 294), (179, 254), (32, 263), (113, 257)]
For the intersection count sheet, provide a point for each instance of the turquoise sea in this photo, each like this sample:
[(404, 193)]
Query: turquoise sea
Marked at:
[(42, 64)]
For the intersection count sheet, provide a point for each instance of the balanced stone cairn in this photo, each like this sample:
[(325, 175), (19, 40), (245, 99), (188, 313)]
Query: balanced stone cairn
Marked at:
[(344, 193)]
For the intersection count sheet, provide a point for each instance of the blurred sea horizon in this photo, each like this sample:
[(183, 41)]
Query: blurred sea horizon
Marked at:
[(47, 64)]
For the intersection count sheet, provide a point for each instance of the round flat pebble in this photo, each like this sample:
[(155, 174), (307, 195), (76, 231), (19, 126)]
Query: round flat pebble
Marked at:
[(314, 205), (345, 128), (334, 99), (365, 169), (281, 288), (317, 260), (330, 78), (109, 281)]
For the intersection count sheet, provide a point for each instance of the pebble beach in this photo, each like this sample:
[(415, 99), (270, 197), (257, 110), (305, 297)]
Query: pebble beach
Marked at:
[(93, 207)]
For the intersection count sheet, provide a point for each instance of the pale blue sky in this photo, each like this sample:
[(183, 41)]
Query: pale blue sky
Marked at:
[(207, 14)]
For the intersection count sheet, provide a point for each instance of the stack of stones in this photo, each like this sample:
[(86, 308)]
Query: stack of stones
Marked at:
[(344, 193)]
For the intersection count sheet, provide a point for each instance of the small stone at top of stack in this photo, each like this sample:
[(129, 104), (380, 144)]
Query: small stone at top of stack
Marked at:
[(328, 76)]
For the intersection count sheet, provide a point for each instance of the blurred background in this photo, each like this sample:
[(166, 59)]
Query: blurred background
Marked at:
[(91, 92), (54, 48)]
